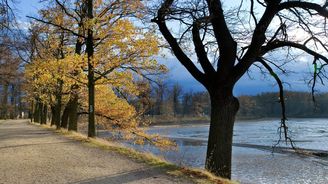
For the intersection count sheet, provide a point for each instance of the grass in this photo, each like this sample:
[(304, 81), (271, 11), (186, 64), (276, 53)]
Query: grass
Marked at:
[(196, 175)]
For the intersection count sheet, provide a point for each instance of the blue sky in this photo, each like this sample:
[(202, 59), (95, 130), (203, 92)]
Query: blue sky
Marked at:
[(255, 84), (27, 7), (246, 86)]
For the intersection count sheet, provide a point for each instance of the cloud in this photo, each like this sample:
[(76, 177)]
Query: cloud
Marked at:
[(258, 83)]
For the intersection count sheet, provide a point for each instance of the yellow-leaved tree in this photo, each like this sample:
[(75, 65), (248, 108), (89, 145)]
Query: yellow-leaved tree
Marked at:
[(107, 58)]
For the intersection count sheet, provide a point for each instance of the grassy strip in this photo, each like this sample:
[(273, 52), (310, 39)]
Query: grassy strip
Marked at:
[(196, 175)]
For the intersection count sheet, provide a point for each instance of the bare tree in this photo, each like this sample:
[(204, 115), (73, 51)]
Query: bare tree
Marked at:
[(160, 92), (228, 40), (176, 94)]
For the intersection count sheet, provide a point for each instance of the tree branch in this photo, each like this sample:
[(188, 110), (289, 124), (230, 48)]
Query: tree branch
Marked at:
[(321, 10), (178, 52), (56, 25), (279, 44), (200, 51), (257, 41), (226, 43), (281, 100)]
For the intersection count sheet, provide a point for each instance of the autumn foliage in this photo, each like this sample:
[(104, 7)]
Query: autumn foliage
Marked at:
[(123, 58)]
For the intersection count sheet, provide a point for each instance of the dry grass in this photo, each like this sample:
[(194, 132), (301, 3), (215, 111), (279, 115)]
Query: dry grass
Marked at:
[(196, 175)]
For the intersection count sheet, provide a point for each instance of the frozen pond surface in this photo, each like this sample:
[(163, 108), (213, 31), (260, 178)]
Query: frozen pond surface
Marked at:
[(252, 165)]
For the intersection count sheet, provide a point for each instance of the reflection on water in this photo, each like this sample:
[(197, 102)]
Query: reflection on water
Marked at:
[(253, 163)]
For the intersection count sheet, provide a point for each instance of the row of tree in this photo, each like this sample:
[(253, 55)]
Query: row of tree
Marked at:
[(11, 73), (298, 104), (173, 101), (90, 58)]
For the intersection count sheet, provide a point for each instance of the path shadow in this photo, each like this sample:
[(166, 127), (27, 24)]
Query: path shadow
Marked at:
[(124, 177), (24, 145)]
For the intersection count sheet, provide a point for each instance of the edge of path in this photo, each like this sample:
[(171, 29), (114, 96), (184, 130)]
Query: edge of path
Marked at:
[(195, 175)]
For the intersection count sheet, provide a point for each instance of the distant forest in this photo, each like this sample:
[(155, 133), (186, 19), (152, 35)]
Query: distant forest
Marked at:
[(172, 101)]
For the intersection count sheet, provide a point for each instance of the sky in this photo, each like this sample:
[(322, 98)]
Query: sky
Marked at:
[(253, 85), (248, 85)]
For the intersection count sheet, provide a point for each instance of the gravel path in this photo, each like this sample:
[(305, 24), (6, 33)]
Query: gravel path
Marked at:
[(30, 154)]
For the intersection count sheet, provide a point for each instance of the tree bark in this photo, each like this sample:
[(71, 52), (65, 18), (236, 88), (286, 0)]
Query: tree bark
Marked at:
[(52, 115), (56, 115), (72, 120), (44, 112), (91, 82), (4, 100), (41, 113), (58, 104), (36, 116), (56, 111), (31, 112), (64, 119), (74, 98), (13, 97), (224, 107)]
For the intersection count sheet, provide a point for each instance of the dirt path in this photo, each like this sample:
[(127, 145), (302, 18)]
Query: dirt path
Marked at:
[(29, 154)]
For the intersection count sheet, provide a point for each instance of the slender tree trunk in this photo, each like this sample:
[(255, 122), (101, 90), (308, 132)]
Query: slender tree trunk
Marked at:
[(224, 107), (53, 112), (91, 82), (41, 113), (36, 116), (12, 112), (91, 126), (57, 111), (64, 119), (74, 98), (72, 124), (4, 100), (31, 112), (44, 114), (58, 104)]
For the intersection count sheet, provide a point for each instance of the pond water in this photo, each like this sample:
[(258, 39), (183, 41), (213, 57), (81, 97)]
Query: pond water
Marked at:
[(253, 160)]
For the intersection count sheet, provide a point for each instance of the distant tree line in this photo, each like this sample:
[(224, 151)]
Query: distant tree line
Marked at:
[(11, 96), (298, 104), (173, 101)]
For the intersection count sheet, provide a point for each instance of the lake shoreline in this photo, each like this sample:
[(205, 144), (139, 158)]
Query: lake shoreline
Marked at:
[(252, 155)]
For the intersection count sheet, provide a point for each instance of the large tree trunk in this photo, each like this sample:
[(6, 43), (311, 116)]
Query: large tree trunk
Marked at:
[(72, 124), (224, 107)]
